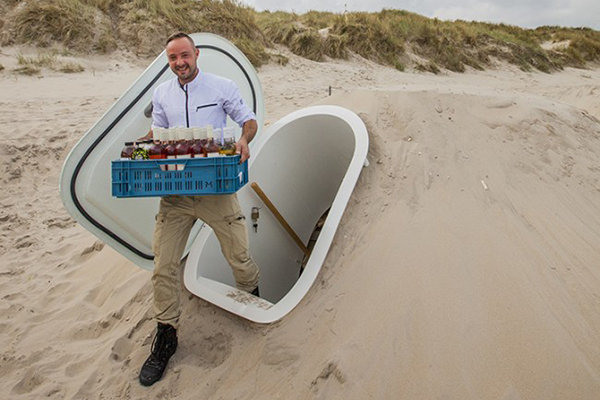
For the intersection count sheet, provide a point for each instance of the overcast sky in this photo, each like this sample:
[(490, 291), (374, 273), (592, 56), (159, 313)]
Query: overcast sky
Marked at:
[(524, 13)]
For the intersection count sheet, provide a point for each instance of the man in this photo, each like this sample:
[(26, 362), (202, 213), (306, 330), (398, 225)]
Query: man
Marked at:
[(194, 98)]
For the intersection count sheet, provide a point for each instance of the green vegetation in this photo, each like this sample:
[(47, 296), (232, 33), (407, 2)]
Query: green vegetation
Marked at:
[(29, 65), (391, 36), (32, 65), (396, 38), (70, 22), (280, 59), (70, 67), (142, 26), (27, 70)]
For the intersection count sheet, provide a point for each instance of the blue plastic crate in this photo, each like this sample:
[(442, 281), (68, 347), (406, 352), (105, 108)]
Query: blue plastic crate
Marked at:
[(194, 176)]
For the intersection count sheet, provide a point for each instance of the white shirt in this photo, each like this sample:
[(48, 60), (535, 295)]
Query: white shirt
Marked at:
[(208, 99)]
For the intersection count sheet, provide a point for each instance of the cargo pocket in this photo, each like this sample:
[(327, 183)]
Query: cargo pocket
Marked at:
[(236, 227)]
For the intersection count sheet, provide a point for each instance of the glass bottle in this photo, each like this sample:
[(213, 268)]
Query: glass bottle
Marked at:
[(183, 148), (212, 146), (228, 142), (156, 150), (170, 148), (198, 144), (127, 151)]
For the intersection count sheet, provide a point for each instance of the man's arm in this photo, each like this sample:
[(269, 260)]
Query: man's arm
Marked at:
[(159, 117), (248, 131)]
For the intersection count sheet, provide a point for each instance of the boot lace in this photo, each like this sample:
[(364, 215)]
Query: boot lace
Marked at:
[(159, 350)]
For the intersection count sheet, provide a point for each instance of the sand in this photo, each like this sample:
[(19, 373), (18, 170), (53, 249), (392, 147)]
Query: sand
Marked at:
[(466, 266)]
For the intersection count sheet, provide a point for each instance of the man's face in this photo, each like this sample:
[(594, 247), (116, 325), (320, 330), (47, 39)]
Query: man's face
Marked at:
[(182, 58)]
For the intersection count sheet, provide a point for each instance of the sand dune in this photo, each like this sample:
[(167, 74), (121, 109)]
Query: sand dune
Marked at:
[(467, 264)]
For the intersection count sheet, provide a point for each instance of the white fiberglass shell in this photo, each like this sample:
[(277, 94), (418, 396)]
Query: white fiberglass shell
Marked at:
[(306, 163)]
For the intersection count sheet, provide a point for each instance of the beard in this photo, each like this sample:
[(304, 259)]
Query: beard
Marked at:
[(185, 73)]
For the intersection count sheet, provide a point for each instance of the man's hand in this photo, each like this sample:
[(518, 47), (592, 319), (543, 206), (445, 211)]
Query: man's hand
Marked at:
[(148, 136), (241, 147), (248, 131)]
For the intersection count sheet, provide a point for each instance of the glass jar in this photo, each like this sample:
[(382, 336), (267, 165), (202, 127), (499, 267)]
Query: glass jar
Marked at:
[(141, 150)]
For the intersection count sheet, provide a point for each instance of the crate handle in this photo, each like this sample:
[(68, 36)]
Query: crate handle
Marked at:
[(180, 162)]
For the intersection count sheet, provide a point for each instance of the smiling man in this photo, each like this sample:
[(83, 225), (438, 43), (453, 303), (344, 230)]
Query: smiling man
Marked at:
[(194, 99)]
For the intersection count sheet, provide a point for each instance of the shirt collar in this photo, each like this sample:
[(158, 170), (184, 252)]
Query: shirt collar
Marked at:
[(197, 80)]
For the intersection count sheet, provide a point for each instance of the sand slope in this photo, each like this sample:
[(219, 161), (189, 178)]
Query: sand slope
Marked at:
[(467, 264)]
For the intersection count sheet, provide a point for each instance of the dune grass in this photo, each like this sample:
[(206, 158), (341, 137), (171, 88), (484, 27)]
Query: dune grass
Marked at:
[(46, 22), (280, 59), (71, 67), (141, 26), (33, 65), (392, 37), (387, 35), (582, 45), (27, 70), (29, 65)]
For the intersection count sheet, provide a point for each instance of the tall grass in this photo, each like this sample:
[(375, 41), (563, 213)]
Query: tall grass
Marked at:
[(387, 35), (70, 67), (45, 59), (393, 37), (146, 24), (584, 43), (32, 65), (46, 22), (141, 26)]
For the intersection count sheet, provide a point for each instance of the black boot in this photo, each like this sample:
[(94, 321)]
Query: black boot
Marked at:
[(163, 347)]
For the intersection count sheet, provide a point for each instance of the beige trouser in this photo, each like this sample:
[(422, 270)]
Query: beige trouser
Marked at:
[(174, 221)]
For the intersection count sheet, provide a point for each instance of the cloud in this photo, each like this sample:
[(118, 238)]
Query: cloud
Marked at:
[(525, 13), (528, 13)]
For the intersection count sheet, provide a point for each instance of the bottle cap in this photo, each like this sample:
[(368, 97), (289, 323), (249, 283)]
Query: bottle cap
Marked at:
[(196, 133), (157, 133), (230, 132), (203, 133), (221, 135), (172, 134)]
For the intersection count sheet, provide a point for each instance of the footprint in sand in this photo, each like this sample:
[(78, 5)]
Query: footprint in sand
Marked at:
[(209, 352), (30, 381), (330, 374)]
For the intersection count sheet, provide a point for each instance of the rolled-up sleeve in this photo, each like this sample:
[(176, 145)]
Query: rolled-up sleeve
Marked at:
[(159, 117), (235, 106)]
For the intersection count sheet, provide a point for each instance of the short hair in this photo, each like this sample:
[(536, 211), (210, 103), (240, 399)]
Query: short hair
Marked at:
[(179, 35)]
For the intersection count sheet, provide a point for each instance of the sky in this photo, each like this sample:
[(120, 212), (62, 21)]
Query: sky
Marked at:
[(523, 13)]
